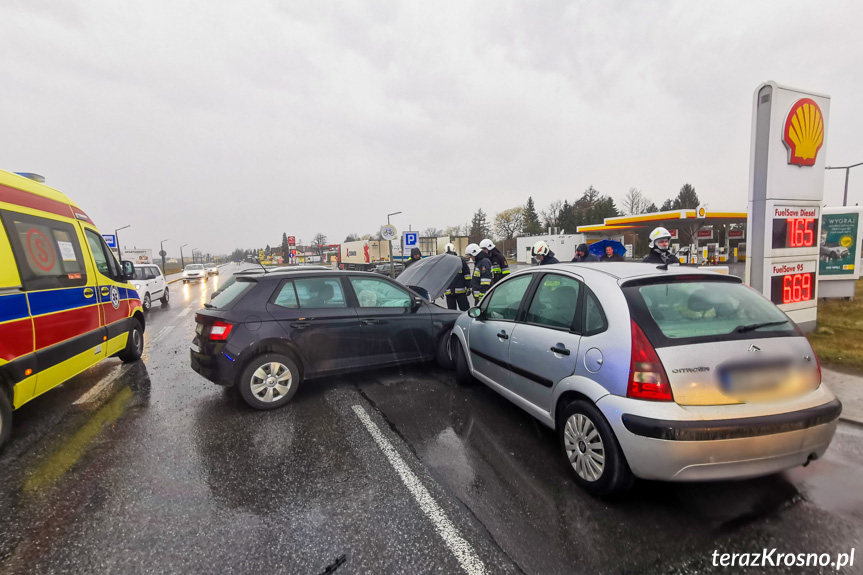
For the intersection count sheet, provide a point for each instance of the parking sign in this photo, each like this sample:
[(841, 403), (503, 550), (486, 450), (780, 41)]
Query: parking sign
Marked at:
[(411, 239)]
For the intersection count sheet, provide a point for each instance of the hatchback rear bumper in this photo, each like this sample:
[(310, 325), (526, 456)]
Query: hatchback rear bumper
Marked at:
[(693, 448)]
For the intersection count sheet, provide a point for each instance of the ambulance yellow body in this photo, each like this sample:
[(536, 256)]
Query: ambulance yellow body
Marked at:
[(65, 302)]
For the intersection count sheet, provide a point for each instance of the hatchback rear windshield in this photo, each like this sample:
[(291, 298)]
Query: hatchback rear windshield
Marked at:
[(230, 293), (194, 267), (701, 311)]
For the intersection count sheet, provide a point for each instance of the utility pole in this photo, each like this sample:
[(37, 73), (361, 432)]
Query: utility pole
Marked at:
[(847, 172), (390, 242), (162, 253)]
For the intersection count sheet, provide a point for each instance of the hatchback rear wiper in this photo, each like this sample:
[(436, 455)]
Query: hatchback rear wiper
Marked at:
[(209, 306), (754, 326)]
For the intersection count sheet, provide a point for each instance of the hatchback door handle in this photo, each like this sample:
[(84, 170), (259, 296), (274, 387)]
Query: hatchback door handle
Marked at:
[(560, 349), (371, 321), (301, 324), (502, 335)]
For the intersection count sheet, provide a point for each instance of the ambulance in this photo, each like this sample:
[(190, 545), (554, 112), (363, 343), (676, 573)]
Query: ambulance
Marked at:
[(65, 301)]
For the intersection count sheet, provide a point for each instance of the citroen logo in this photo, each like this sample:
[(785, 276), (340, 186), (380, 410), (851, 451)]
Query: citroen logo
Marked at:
[(754, 347)]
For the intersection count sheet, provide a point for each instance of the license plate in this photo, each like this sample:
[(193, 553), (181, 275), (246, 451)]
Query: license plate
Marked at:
[(195, 348), (760, 381)]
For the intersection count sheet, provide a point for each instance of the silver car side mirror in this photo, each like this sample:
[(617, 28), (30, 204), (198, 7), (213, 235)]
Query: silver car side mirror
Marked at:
[(474, 312)]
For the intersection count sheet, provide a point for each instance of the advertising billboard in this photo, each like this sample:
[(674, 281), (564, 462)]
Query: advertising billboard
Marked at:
[(138, 256), (839, 251)]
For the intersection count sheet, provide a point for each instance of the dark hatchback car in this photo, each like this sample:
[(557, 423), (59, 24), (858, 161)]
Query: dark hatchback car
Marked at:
[(266, 333)]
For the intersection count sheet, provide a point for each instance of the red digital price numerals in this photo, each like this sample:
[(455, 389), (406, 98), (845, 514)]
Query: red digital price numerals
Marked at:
[(801, 232), (796, 287)]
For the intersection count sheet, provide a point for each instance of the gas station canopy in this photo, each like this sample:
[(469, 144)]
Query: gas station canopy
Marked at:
[(672, 219)]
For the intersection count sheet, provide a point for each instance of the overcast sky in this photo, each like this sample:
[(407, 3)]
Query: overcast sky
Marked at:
[(223, 124)]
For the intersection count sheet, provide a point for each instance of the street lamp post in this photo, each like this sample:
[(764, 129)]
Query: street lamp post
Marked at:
[(847, 172), (162, 253), (182, 259), (117, 239), (390, 242), (194, 261)]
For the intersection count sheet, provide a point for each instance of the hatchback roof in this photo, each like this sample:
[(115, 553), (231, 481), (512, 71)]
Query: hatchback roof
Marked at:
[(630, 270)]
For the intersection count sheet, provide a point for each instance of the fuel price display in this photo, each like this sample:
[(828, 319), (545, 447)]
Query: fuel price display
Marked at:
[(792, 283)]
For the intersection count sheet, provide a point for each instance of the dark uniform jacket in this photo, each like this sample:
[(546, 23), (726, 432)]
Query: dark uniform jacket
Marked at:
[(588, 257), (481, 280), (414, 252), (461, 282), (499, 267), (549, 259), (659, 257)]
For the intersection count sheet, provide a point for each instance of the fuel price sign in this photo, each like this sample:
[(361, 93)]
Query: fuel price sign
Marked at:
[(793, 283)]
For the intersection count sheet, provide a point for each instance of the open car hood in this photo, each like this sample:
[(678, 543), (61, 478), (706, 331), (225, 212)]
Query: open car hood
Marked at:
[(430, 277)]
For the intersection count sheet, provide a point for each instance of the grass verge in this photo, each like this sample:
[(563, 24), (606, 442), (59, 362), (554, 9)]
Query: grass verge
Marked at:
[(838, 341)]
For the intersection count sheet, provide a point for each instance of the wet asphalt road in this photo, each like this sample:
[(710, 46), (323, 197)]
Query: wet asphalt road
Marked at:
[(149, 468)]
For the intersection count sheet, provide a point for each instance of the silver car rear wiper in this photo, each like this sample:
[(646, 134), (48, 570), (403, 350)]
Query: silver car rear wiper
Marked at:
[(754, 326)]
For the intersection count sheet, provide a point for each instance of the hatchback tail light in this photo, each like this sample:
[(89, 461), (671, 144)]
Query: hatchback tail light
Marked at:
[(220, 331), (647, 377)]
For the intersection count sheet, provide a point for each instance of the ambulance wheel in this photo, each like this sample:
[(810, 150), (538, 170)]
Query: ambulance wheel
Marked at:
[(147, 303), (5, 417), (166, 296), (134, 344)]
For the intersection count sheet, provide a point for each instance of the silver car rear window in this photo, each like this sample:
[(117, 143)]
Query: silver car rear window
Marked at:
[(714, 310)]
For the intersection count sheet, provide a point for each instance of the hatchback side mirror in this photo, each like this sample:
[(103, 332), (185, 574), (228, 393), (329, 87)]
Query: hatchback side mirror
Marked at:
[(417, 302), (128, 269), (474, 312)]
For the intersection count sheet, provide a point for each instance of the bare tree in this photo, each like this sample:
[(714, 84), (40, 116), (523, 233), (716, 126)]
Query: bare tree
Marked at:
[(508, 224), (318, 242), (635, 202), (432, 232), (551, 215)]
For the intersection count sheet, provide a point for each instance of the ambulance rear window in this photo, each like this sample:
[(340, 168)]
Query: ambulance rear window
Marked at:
[(47, 252)]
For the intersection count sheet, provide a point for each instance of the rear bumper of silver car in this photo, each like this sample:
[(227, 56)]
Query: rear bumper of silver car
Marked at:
[(691, 447)]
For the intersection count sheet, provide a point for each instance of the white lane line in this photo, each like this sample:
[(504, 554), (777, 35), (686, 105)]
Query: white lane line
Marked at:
[(185, 312), (462, 550), (100, 387), (165, 331)]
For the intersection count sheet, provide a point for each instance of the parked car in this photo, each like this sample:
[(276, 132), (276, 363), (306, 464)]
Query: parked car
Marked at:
[(194, 272), (384, 269), (259, 270), (150, 284), (671, 375), (266, 333), (212, 269)]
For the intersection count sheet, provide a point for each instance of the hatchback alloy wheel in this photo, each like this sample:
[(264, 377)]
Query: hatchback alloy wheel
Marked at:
[(584, 447), (271, 382)]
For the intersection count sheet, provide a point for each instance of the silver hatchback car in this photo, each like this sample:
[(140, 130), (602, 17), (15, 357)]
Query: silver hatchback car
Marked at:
[(675, 375)]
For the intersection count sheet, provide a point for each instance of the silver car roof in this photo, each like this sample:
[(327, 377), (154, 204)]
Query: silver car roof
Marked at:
[(624, 271)]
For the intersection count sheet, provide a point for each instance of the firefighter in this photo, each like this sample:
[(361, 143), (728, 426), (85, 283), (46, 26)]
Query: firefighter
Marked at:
[(543, 254), (416, 255), (499, 267), (481, 280), (660, 240), (456, 292)]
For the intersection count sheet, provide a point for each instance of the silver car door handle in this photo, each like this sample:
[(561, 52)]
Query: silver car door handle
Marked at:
[(560, 349), (502, 335)]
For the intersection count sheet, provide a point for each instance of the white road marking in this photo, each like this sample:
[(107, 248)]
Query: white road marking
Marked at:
[(462, 550), (100, 387), (185, 312), (165, 331)]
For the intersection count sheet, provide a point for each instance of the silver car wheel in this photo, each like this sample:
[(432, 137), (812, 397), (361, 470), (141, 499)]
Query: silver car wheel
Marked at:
[(584, 447), (271, 382)]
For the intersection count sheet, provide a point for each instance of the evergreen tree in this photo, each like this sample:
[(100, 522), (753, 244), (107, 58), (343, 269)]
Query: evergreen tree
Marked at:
[(285, 247), (479, 227), (531, 223), (686, 199), (267, 250), (666, 206)]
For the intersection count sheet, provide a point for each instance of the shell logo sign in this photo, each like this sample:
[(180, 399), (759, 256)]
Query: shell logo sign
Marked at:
[(804, 132)]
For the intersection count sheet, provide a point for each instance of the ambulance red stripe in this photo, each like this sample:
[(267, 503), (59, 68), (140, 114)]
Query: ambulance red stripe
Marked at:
[(57, 327), (36, 202), (16, 338)]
